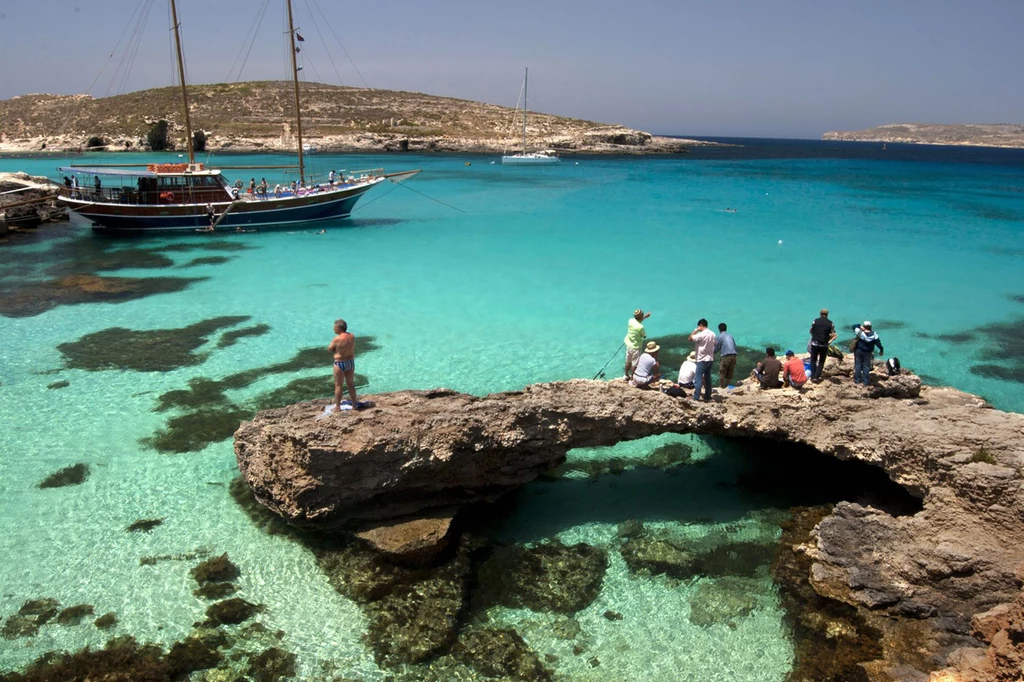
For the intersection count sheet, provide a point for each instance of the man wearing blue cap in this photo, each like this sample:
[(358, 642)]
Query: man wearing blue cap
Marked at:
[(793, 370)]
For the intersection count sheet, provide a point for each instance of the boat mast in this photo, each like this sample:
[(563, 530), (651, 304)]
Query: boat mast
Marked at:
[(526, 106), (295, 82), (184, 89)]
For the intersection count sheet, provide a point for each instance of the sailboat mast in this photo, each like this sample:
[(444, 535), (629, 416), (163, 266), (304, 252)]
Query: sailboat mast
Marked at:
[(184, 88), (526, 105), (295, 82)]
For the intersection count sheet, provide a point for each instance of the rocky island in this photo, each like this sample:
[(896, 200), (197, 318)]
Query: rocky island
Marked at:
[(971, 135), (930, 588), (258, 116)]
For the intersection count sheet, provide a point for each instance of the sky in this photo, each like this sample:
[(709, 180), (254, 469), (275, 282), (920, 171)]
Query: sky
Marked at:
[(761, 68)]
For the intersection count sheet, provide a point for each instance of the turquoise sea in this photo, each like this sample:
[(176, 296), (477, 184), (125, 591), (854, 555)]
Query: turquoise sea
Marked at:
[(483, 279)]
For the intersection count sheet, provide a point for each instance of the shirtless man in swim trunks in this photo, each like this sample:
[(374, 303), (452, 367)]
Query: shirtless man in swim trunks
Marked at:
[(344, 348)]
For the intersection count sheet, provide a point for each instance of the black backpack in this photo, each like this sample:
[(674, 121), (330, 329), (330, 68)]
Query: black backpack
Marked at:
[(892, 365)]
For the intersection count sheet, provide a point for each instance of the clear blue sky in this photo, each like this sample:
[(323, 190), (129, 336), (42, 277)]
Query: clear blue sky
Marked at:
[(781, 68)]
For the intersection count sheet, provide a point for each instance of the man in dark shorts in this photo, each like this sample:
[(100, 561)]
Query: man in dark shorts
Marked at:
[(725, 346), (343, 345), (823, 332)]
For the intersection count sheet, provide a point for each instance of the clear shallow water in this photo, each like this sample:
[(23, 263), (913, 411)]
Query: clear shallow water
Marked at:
[(532, 281)]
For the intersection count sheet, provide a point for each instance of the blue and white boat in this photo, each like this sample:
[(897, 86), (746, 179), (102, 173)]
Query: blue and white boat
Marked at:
[(190, 196), (524, 157)]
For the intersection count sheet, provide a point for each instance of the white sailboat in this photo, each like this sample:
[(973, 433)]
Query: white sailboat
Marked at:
[(525, 157)]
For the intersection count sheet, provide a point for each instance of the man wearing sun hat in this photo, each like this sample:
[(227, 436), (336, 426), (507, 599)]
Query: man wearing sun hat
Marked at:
[(648, 369), (863, 352), (635, 335)]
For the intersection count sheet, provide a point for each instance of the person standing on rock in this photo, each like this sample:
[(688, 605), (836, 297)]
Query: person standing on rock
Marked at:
[(823, 333), (863, 352), (343, 345), (635, 335), (725, 346), (704, 344)]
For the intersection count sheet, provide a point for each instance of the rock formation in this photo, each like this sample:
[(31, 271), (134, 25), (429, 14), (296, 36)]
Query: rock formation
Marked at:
[(254, 117), (918, 579), (969, 135)]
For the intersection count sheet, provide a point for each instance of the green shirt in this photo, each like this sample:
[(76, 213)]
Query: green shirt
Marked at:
[(635, 334)]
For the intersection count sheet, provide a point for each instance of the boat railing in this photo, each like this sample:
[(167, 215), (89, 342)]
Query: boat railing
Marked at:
[(134, 196), (115, 195)]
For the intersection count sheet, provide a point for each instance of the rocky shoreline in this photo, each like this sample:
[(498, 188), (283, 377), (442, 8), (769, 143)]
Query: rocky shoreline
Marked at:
[(612, 140), (966, 135), (936, 584), (27, 201)]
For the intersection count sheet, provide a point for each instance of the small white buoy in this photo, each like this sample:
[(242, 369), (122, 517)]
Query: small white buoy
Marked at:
[(780, 242), (577, 163), (766, 193)]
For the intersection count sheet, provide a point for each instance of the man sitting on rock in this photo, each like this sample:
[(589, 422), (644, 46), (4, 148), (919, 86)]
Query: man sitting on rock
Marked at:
[(793, 371), (768, 370), (647, 372), (688, 370)]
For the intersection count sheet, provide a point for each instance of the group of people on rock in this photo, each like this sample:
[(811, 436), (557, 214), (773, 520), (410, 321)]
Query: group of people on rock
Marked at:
[(643, 369)]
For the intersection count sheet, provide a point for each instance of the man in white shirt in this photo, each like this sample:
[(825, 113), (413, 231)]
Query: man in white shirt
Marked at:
[(704, 343), (688, 370)]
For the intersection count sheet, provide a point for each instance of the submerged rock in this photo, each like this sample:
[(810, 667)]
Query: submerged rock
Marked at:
[(724, 601), (413, 613), (76, 474), (414, 542), (73, 615), (271, 665), (500, 653), (32, 615), (231, 612), (106, 621), (191, 654), (122, 658), (654, 556), (217, 569), (547, 577), (37, 297), (153, 350), (143, 525)]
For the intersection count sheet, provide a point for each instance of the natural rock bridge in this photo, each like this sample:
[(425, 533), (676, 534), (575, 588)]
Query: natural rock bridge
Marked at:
[(921, 577)]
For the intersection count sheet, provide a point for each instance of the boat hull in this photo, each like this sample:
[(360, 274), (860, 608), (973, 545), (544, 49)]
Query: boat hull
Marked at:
[(266, 213), (529, 160)]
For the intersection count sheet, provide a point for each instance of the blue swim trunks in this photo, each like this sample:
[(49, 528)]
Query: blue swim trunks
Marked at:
[(345, 365)]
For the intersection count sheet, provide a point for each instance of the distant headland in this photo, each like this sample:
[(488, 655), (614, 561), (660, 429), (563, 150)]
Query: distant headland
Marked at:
[(258, 116), (971, 135)]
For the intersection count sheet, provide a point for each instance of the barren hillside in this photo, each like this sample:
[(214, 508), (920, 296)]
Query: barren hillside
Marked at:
[(259, 115)]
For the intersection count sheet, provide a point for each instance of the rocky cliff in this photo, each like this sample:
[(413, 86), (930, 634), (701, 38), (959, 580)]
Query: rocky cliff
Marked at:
[(916, 579), (972, 135), (259, 116)]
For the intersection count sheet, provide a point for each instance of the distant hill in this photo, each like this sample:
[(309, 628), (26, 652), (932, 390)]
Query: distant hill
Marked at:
[(260, 116), (978, 135)]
